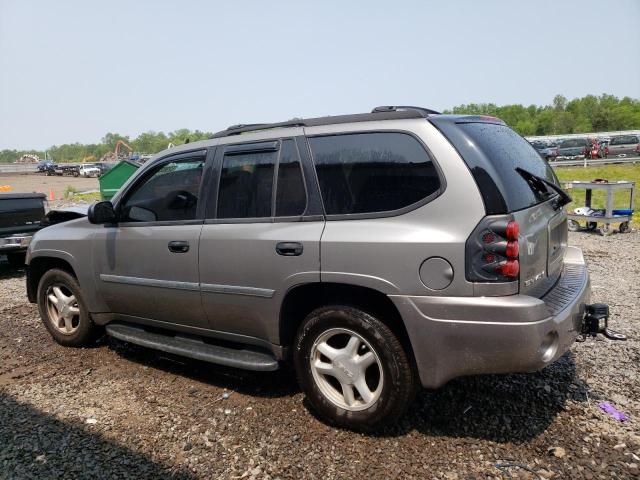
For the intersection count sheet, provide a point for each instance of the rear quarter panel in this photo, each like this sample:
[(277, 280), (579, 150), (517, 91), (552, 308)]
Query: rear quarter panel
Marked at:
[(386, 253)]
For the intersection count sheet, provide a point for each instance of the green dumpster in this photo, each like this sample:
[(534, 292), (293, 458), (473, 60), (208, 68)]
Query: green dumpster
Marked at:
[(112, 180)]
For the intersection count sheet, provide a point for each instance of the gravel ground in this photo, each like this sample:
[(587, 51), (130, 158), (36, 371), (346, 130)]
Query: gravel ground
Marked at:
[(119, 411), (39, 182)]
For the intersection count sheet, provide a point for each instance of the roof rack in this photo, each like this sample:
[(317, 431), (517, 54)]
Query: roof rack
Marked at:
[(388, 112), (252, 127), (395, 108)]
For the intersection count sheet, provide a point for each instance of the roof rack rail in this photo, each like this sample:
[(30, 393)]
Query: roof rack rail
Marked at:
[(252, 127), (394, 108)]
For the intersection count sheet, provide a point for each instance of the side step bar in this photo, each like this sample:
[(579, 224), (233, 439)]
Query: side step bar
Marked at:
[(193, 348)]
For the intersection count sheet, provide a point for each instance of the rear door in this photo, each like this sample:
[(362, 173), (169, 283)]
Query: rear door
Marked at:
[(494, 152), (147, 265), (261, 236)]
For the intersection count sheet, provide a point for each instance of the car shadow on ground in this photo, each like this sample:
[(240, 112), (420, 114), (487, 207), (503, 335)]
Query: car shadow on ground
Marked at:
[(34, 444), (505, 408), (502, 408), (281, 383), (7, 271)]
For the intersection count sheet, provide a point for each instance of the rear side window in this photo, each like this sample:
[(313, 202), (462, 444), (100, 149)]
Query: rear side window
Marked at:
[(574, 142), (624, 140), (493, 152), (246, 185), (372, 172)]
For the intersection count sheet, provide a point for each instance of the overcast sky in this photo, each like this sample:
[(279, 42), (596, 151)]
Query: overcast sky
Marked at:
[(74, 70)]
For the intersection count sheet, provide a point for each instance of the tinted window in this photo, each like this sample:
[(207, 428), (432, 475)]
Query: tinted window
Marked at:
[(574, 142), (246, 184), (170, 192), (291, 197), (624, 140), (492, 153), (372, 172)]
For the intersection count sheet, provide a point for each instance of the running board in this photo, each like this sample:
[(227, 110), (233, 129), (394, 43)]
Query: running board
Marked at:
[(194, 348)]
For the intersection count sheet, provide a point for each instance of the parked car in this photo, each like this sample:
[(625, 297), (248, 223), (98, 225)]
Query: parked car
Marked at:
[(546, 150), (45, 165), (375, 252), (89, 171), (105, 166), (624, 145), (573, 147), (20, 216)]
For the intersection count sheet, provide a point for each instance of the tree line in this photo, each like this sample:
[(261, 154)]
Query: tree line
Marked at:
[(147, 142), (580, 115)]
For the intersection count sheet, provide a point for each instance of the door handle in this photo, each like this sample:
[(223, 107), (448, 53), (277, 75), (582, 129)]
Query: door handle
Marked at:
[(289, 249), (178, 246)]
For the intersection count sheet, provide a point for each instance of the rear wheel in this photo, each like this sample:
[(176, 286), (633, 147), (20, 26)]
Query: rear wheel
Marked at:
[(353, 369), (63, 310)]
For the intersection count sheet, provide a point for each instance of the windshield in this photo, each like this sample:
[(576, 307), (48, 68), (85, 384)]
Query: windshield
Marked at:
[(493, 152)]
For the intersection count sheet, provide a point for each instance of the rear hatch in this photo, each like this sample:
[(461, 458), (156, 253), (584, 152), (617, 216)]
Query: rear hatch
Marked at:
[(512, 178), (20, 212)]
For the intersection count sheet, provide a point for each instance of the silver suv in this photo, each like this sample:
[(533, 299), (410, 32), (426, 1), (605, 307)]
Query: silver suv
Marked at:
[(375, 251)]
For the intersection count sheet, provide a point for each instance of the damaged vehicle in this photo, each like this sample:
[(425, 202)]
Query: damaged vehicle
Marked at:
[(378, 253)]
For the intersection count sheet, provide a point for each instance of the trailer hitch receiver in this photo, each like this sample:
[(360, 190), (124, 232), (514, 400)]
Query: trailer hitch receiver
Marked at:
[(596, 320)]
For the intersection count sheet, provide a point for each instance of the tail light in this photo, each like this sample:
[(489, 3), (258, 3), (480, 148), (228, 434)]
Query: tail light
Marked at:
[(638, 148), (492, 250)]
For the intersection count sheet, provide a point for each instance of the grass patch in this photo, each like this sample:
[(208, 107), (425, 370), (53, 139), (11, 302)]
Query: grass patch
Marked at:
[(610, 172), (92, 197)]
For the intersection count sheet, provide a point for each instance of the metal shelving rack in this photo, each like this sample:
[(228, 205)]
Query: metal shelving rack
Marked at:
[(609, 217)]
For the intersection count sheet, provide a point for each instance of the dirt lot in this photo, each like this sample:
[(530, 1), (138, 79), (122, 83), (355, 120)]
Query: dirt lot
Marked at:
[(119, 411), (39, 182)]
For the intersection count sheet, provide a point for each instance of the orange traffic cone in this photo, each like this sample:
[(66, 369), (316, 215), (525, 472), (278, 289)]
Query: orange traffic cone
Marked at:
[(51, 194)]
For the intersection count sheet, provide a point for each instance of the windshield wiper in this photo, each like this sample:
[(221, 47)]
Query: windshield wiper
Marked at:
[(564, 196)]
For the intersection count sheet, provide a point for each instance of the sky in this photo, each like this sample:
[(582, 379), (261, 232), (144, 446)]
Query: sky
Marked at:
[(71, 71)]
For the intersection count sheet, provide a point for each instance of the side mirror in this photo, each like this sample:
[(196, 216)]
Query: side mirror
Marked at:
[(101, 213)]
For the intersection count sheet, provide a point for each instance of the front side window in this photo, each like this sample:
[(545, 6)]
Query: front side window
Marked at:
[(169, 193), (372, 172), (246, 185)]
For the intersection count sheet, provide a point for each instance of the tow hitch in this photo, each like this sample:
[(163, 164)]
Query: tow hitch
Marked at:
[(596, 320)]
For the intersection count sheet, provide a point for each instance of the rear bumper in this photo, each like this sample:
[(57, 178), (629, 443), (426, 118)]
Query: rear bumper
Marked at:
[(15, 243), (455, 336)]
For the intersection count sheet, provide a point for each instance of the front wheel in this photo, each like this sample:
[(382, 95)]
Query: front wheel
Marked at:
[(353, 369), (63, 310)]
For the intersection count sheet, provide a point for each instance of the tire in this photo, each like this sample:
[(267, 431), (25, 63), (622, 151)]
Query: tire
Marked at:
[(16, 260), (79, 331), (624, 227), (573, 225), (390, 378), (592, 225)]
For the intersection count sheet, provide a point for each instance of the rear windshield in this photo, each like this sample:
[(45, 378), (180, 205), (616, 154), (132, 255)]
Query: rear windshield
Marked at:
[(493, 152)]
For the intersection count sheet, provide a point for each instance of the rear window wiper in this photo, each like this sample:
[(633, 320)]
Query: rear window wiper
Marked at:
[(564, 196)]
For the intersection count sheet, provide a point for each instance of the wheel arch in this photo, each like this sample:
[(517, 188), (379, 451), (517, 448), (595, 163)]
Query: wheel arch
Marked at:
[(38, 266), (301, 300)]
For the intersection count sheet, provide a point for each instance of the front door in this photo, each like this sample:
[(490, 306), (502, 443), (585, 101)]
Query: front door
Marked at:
[(147, 264), (261, 238)]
